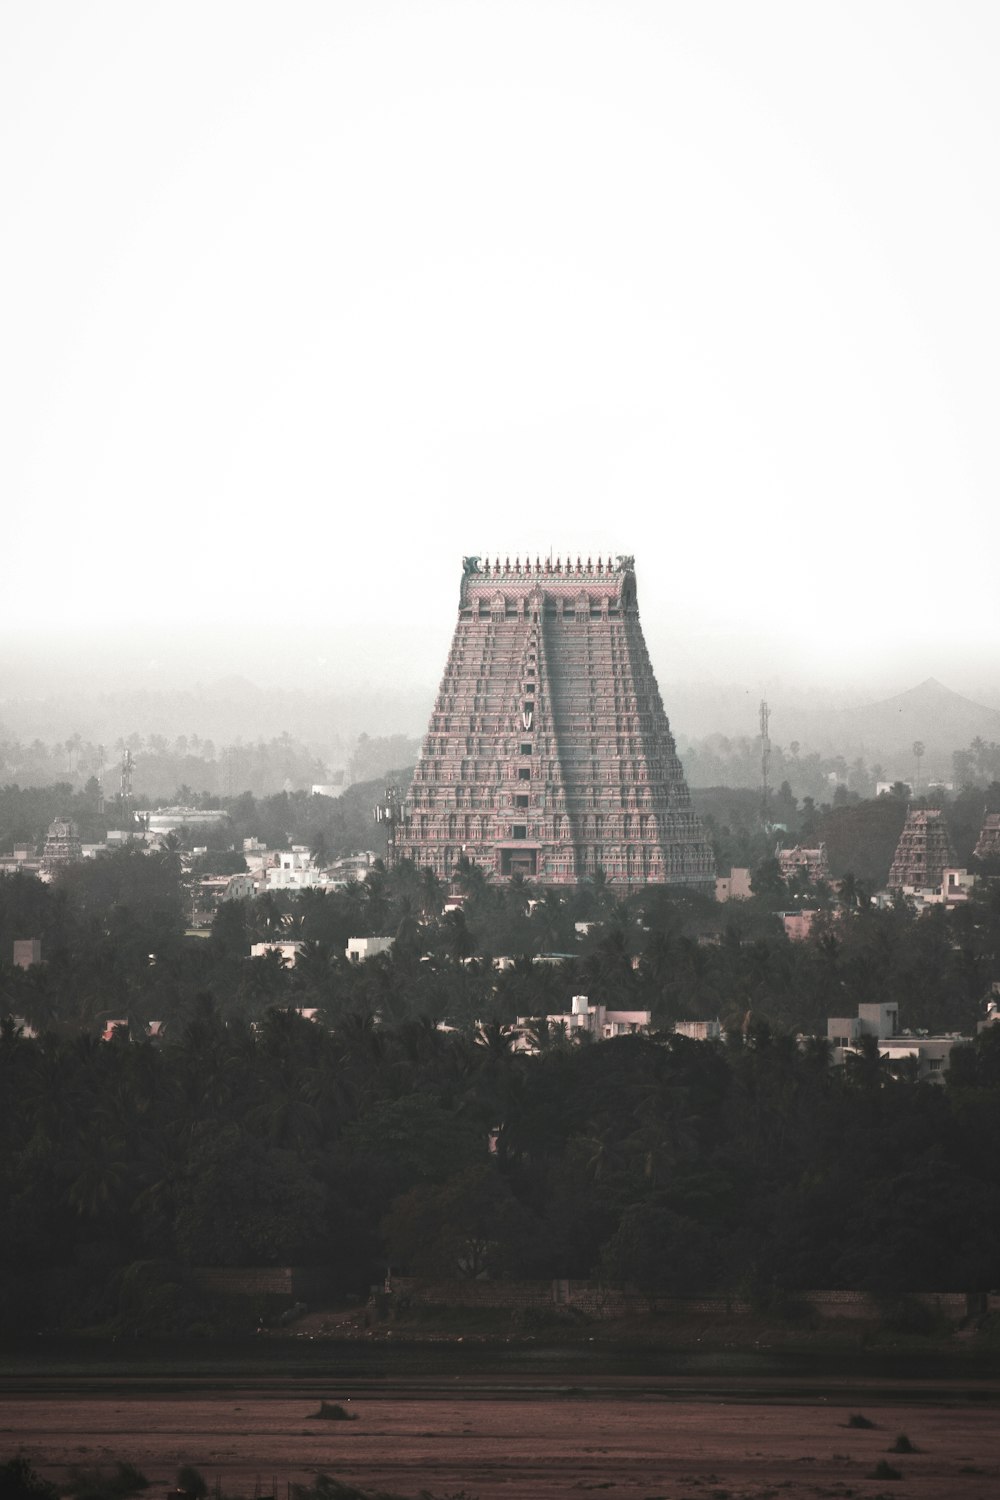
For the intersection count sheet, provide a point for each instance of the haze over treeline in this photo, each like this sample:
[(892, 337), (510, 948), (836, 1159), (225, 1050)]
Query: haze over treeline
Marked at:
[(231, 734)]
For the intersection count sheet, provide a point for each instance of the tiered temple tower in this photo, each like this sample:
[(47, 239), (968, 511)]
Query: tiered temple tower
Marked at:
[(924, 850), (988, 843), (548, 752)]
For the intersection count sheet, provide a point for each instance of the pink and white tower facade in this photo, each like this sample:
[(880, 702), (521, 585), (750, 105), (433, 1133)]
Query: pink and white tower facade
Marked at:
[(549, 753)]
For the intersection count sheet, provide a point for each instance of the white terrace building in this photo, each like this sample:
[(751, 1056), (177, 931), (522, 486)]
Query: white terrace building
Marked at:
[(584, 1019)]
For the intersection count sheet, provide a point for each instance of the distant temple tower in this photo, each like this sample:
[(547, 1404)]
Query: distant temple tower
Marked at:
[(988, 843), (62, 844), (548, 753), (924, 850)]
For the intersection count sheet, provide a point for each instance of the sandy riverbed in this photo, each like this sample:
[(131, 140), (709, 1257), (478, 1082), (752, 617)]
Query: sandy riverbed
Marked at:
[(506, 1442)]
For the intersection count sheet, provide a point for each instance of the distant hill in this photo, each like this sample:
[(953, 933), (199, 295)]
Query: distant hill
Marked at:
[(943, 720)]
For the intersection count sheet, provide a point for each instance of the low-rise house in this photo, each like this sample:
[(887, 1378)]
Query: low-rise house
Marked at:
[(212, 890), (288, 949), (799, 863), (584, 1019), (361, 948), (27, 951), (293, 870), (23, 860), (699, 1031), (163, 820), (798, 924), (735, 886), (954, 890), (928, 1054), (351, 867)]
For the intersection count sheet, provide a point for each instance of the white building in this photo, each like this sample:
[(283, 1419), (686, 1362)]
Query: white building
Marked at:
[(288, 950), (292, 870), (167, 819), (735, 886), (586, 1019), (360, 948), (930, 1053), (699, 1031)]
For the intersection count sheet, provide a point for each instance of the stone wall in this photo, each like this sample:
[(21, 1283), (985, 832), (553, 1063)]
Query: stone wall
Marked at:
[(309, 1284), (595, 1301)]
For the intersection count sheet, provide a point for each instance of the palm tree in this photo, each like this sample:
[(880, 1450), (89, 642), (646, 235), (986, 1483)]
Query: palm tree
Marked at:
[(267, 916), (866, 1068), (853, 892), (458, 938), (431, 892), (320, 848)]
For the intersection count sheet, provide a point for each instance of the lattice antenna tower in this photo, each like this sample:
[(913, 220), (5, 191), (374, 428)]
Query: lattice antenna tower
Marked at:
[(100, 778), (128, 766), (765, 763), (390, 812)]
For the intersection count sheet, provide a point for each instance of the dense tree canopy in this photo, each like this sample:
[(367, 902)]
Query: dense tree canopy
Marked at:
[(374, 1135)]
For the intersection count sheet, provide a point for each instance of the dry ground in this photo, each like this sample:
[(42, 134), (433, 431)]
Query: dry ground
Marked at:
[(505, 1440)]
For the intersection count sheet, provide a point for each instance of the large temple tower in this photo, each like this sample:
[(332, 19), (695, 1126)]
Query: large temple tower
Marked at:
[(549, 753)]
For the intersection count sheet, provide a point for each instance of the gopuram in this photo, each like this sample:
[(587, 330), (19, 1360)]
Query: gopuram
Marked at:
[(924, 850), (549, 753)]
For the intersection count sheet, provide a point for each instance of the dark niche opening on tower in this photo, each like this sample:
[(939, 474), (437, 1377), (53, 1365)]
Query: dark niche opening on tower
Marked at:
[(518, 862), (524, 773)]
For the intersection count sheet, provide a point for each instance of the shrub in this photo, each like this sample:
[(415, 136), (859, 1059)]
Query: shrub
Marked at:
[(18, 1481), (882, 1470), (95, 1483), (332, 1411), (192, 1482), (857, 1420)]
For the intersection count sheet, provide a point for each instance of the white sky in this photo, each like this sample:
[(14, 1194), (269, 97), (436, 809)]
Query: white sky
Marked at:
[(300, 302)]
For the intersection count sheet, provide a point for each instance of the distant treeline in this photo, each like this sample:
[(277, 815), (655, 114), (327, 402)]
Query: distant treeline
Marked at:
[(330, 826), (113, 934), (860, 836), (721, 760), (284, 763), (188, 766)]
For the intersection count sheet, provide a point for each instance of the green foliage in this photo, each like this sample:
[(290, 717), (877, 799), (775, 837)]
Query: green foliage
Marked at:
[(324, 1487), (192, 1482), (862, 838), (96, 1483), (661, 1252), (249, 1134), (884, 1470), (470, 1226), (244, 1203), (332, 1411), (18, 1481)]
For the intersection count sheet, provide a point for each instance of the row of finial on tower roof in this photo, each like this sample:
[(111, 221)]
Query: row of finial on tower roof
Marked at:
[(548, 565)]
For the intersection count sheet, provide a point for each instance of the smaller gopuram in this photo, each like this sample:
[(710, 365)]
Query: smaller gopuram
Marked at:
[(988, 843), (924, 850)]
